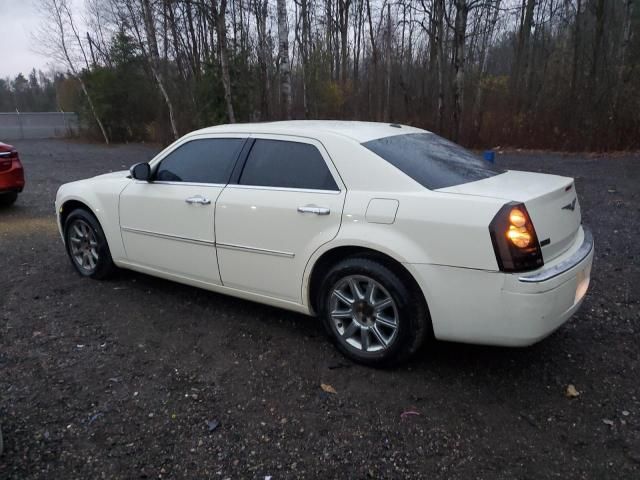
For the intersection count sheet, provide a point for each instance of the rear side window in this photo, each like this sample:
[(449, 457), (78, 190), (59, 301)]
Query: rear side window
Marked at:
[(208, 160), (278, 163), (431, 160)]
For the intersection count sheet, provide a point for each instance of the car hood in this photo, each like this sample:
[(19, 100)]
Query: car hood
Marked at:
[(118, 174)]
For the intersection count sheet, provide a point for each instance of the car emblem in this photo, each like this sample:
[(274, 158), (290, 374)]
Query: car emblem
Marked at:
[(570, 206)]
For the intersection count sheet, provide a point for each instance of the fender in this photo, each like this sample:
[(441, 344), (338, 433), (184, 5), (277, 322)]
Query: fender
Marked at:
[(102, 198)]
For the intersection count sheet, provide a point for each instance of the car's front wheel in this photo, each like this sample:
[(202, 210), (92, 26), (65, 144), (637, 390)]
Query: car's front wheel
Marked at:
[(87, 245), (374, 316)]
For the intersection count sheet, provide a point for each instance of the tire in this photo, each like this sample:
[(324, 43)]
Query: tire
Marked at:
[(87, 245), (395, 317), (8, 199)]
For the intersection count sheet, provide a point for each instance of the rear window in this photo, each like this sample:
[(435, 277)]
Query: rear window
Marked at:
[(431, 160)]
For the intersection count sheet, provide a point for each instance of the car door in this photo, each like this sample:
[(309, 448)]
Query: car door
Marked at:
[(286, 203), (168, 224)]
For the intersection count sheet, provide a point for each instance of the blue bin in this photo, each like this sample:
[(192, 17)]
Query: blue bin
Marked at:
[(490, 156)]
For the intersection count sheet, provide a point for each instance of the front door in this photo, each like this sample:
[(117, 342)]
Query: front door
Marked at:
[(168, 224), (287, 202)]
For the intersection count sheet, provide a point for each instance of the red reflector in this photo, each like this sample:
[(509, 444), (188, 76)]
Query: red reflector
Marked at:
[(568, 187)]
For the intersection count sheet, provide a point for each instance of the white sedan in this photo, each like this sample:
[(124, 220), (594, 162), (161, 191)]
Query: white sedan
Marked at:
[(388, 233)]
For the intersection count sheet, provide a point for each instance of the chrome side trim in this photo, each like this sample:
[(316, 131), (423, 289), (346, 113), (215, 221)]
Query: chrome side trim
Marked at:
[(167, 236), (564, 266), (242, 248)]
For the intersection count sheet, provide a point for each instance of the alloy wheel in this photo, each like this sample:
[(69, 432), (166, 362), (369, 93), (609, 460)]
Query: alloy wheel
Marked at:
[(83, 245), (364, 313)]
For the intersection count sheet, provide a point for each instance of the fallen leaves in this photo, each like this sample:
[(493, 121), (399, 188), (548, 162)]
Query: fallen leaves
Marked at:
[(409, 413), (328, 388), (571, 391)]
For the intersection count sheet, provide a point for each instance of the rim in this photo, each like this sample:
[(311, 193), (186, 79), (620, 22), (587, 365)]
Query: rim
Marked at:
[(364, 314), (83, 245)]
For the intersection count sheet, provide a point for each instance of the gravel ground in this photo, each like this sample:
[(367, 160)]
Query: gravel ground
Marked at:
[(138, 377)]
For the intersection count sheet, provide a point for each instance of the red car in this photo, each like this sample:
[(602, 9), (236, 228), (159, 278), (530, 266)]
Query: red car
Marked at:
[(11, 174)]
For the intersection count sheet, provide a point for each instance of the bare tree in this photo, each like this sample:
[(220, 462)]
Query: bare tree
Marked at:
[(54, 37), (283, 54), (154, 60), (219, 18)]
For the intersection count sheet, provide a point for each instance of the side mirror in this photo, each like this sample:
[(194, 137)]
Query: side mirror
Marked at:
[(141, 171)]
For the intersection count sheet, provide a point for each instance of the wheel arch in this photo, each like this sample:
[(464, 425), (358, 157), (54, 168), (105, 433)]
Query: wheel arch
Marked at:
[(325, 260), (69, 206)]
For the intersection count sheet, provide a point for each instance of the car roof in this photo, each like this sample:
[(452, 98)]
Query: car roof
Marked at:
[(359, 131)]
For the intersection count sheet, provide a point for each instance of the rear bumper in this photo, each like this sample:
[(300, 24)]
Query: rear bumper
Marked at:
[(12, 180), (496, 308)]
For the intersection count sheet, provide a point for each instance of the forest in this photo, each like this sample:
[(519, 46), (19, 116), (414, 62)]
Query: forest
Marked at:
[(548, 74)]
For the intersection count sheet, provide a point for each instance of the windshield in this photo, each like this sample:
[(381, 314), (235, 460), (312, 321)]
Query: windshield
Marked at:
[(431, 160)]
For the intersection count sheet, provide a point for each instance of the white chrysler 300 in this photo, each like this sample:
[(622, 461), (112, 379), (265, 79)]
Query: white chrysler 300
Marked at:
[(389, 233)]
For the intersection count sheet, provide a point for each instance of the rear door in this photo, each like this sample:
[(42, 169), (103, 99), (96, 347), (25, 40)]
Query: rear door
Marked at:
[(168, 224), (286, 203)]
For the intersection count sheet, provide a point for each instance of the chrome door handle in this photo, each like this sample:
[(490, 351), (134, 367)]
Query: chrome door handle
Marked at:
[(198, 199), (316, 210)]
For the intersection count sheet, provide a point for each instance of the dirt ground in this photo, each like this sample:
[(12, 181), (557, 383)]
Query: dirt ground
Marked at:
[(138, 377)]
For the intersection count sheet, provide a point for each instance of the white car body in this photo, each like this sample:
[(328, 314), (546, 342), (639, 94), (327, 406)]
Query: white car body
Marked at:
[(252, 242)]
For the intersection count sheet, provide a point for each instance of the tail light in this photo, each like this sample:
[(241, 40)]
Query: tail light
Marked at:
[(6, 159), (514, 239), (9, 154)]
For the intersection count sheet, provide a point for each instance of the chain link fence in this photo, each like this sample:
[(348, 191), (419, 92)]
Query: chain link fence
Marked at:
[(31, 125)]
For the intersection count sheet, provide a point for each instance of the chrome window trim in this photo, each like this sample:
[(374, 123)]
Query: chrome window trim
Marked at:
[(189, 137), (283, 189), (285, 137), (167, 236), (188, 184), (242, 248), (585, 249)]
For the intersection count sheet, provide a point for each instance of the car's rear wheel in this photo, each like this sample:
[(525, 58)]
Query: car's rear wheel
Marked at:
[(374, 316), (8, 199), (87, 245)]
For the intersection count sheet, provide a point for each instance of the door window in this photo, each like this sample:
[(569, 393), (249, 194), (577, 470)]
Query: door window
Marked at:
[(207, 160), (278, 163)]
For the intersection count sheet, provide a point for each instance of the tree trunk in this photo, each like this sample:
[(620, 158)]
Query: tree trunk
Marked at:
[(576, 53), (219, 18), (283, 52), (154, 61), (387, 96), (60, 31), (439, 16), (460, 28), (522, 52), (484, 57), (375, 58), (260, 11), (343, 18)]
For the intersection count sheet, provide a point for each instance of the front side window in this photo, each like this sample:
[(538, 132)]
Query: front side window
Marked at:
[(207, 160), (431, 160), (278, 163)]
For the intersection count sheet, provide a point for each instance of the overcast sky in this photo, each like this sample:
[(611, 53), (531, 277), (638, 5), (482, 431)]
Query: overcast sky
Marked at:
[(19, 19)]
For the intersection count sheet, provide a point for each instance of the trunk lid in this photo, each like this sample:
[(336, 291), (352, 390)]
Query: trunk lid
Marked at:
[(551, 201)]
